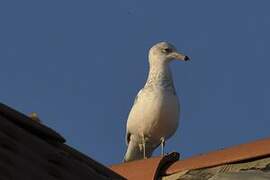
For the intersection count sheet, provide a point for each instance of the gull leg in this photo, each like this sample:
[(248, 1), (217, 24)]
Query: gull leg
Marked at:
[(162, 139), (143, 146)]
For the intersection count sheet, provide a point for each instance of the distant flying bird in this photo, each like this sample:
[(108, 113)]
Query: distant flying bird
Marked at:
[(154, 116)]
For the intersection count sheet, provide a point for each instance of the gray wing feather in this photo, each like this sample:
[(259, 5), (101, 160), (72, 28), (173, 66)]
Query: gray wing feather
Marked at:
[(127, 132)]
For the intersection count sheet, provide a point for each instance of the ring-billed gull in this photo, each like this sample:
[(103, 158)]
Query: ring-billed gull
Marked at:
[(154, 115)]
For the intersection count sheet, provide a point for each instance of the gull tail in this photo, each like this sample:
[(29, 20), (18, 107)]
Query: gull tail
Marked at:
[(135, 150)]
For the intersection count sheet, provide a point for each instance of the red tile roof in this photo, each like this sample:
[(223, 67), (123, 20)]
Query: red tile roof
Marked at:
[(148, 168), (256, 149), (145, 169)]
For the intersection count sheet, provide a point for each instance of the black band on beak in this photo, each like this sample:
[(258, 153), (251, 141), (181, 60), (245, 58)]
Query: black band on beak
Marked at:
[(186, 58)]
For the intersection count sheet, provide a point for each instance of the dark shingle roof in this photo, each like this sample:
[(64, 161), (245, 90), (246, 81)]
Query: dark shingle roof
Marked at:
[(30, 150)]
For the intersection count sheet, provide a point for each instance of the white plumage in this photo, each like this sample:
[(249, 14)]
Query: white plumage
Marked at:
[(154, 116)]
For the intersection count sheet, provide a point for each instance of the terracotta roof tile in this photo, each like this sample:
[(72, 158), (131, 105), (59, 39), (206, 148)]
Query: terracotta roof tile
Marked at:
[(256, 149), (150, 168), (145, 169)]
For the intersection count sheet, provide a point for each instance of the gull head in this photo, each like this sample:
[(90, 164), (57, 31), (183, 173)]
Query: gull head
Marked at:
[(164, 52)]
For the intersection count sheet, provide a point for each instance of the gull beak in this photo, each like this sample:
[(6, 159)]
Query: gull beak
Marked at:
[(179, 56)]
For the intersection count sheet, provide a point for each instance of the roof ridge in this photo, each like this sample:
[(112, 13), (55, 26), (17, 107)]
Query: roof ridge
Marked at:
[(26, 123)]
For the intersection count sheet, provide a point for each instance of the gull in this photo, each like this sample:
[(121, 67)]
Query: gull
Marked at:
[(154, 116)]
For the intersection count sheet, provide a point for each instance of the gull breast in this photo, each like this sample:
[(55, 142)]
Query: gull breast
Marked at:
[(155, 114)]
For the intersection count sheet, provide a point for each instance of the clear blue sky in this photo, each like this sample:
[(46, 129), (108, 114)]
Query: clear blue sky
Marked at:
[(79, 64)]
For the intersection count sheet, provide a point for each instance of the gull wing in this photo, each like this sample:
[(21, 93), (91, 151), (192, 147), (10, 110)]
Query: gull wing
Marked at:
[(127, 132)]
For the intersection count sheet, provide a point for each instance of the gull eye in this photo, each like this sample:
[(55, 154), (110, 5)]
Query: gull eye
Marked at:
[(167, 50)]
